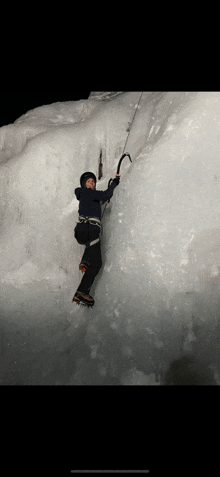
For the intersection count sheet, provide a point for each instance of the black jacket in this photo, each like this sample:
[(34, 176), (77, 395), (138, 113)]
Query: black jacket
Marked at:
[(90, 200)]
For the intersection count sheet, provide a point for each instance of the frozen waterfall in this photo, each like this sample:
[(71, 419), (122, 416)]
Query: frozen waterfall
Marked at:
[(156, 318)]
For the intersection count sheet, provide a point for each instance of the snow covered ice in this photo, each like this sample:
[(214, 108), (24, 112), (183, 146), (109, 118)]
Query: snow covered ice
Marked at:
[(157, 294)]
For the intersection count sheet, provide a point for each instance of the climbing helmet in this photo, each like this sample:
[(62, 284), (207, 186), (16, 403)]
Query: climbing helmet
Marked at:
[(85, 177)]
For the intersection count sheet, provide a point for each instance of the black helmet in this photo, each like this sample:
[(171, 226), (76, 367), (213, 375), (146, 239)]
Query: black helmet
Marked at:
[(85, 177)]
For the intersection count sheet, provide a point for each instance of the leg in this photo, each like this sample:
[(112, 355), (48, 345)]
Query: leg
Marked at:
[(92, 255), (84, 264), (88, 236)]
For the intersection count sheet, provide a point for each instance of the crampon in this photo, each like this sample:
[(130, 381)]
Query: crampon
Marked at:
[(83, 300)]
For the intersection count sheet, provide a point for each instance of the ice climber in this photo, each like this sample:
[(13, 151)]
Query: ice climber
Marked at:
[(87, 232)]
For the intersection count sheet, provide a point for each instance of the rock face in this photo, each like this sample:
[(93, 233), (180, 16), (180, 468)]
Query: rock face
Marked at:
[(157, 295)]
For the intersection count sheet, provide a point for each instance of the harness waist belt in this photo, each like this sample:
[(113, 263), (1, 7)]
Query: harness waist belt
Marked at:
[(91, 220)]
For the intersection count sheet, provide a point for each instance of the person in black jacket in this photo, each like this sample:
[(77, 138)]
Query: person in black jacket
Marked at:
[(87, 232)]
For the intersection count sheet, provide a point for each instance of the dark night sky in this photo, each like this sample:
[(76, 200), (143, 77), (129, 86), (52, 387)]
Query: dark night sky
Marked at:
[(13, 105)]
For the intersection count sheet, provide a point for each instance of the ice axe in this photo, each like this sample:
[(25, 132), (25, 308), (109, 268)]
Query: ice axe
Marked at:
[(117, 174), (119, 164), (119, 167)]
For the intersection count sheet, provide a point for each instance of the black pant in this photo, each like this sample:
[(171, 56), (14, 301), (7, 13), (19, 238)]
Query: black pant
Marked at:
[(92, 255)]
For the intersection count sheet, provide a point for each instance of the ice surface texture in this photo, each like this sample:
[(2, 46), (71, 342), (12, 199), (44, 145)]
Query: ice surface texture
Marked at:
[(157, 295)]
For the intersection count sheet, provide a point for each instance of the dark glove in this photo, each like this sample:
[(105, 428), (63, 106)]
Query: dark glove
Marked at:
[(116, 180)]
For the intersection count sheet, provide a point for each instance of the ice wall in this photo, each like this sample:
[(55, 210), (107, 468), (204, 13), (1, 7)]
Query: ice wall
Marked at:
[(15, 136), (157, 295)]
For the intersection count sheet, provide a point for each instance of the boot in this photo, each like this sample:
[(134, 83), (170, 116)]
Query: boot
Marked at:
[(83, 299)]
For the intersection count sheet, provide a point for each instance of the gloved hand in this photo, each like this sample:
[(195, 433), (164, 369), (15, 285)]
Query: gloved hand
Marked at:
[(116, 180)]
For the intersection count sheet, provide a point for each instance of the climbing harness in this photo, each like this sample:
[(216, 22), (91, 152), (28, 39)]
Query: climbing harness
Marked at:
[(124, 154), (91, 221), (93, 243)]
